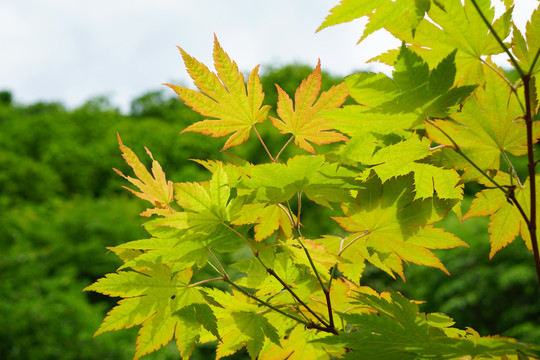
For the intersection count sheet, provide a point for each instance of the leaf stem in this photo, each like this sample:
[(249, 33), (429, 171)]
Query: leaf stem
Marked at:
[(283, 148), (342, 249), (223, 272), (263, 144), (205, 281), (299, 210)]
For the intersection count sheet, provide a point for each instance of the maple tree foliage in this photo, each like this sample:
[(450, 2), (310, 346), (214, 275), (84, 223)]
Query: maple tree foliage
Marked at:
[(394, 164)]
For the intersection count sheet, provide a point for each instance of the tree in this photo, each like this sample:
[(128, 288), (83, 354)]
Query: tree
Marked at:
[(388, 168)]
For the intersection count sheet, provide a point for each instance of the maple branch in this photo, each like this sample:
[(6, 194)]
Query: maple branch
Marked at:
[(325, 290), (531, 224), (283, 148), (499, 40), (263, 144)]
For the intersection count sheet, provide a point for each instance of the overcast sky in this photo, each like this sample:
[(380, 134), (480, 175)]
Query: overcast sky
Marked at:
[(70, 51)]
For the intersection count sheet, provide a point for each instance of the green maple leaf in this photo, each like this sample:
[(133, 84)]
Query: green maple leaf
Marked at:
[(268, 217), (527, 50), (454, 26), (391, 227), (320, 181), (489, 124), (224, 98), (380, 13), (301, 344), (305, 120), (240, 323), (403, 158), (505, 220), (179, 252), (461, 27), (414, 89), (258, 277), (152, 298), (207, 206), (398, 331)]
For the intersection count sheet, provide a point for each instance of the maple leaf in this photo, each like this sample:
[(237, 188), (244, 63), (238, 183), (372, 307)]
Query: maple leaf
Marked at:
[(268, 217), (505, 220), (389, 226), (241, 323), (306, 119), (526, 50), (320, 181), (300, 344), (152, 298), (224, 98), (206, 205), (380, 13), (490, 123), (398, 331), (454, 26), (404, 157), (461, 27), (414, 89), (153, 187)]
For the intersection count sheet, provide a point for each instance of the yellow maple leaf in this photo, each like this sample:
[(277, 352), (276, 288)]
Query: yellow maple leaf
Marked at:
[(305, 120), (153, 187), (223, 98)]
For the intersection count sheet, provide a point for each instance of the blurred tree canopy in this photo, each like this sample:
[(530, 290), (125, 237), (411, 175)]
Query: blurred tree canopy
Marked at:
[(61, 205)]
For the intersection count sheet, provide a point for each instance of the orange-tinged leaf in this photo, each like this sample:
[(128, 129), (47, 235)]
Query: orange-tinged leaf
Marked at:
[(224, 98), (305, 119), (503, 227), (153, 187)]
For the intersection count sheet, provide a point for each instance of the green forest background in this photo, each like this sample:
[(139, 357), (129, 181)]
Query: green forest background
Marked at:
[(61, 205)]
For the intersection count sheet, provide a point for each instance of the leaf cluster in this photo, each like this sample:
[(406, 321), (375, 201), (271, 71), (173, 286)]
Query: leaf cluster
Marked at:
[(388, 167)]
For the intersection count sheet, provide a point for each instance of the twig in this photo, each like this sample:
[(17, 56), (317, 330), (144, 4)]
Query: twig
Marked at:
[(532, 174)]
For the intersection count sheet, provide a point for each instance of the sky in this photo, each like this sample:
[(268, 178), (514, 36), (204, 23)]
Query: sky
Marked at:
[(70, 51)]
